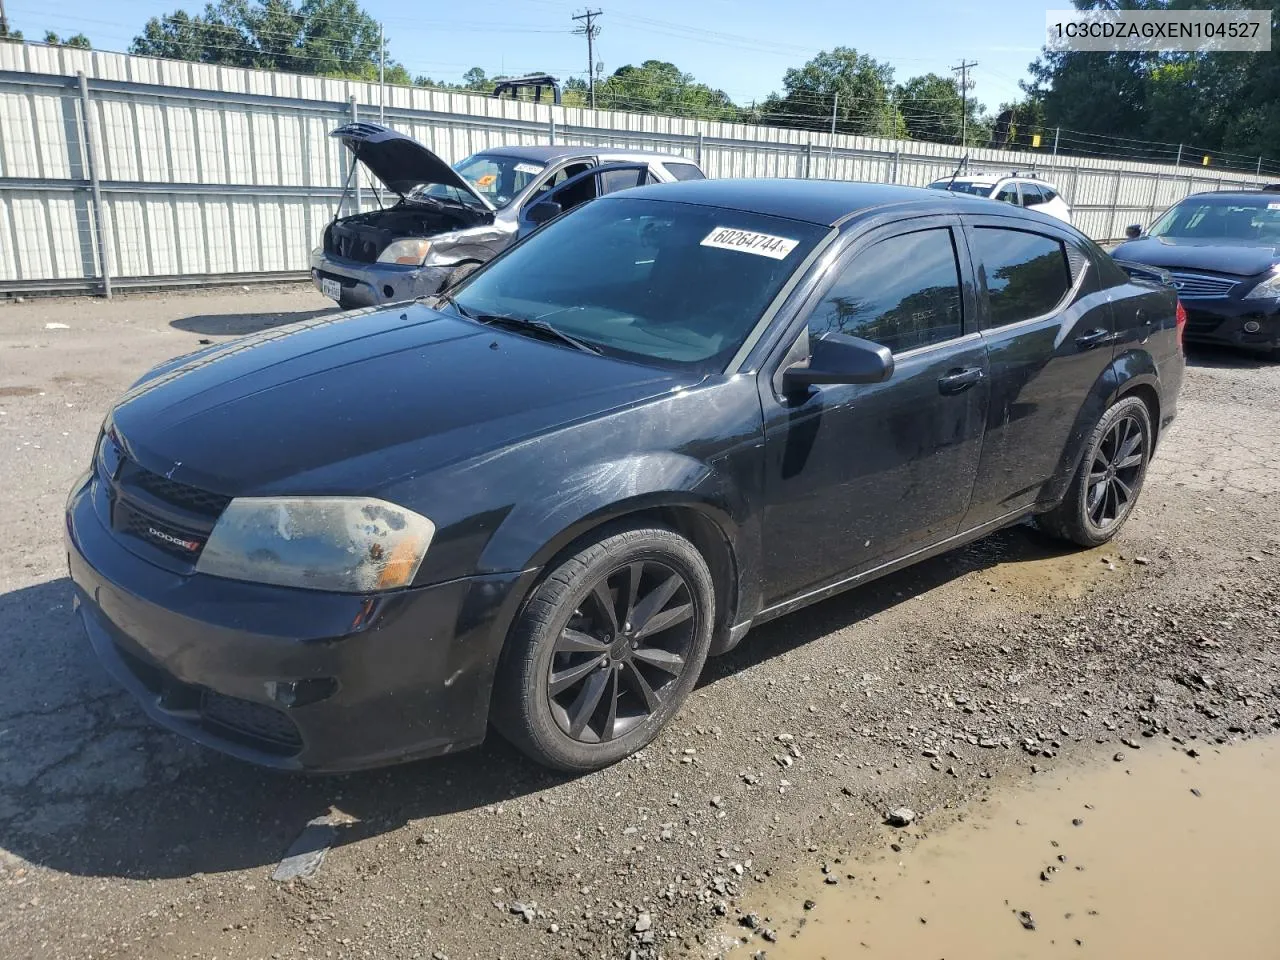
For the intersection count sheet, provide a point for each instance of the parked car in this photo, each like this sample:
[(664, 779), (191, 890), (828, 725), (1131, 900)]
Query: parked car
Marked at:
[(1021, 190), (446, 221), (543, 498), (1221, 251)]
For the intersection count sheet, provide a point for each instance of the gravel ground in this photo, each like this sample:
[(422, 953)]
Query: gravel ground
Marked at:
[(989, 664)]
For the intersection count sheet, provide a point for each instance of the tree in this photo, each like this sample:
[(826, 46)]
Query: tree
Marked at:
[(333, 38), (931, 107), (79, 41), (861, 107), (660, 87)]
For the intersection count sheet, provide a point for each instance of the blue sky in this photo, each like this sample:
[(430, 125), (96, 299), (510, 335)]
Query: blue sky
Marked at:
[(740, 46)]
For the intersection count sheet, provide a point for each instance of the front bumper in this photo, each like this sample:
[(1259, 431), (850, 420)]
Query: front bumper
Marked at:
[(373, 284), (1224, 321), (292, 679)]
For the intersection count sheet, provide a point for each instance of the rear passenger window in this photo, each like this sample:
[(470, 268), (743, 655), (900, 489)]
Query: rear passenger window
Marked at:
[(903, 292), (1027, 274), (1009, 194), (614, 180), (684, 171)]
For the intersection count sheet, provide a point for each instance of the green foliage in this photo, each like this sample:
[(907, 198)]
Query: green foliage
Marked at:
[(863, 85), (333, 38), (1215, 102), (79, 41), (931, 107), (660, 87)]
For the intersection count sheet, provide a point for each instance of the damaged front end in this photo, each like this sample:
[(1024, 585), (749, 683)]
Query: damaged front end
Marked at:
[(414, 247)]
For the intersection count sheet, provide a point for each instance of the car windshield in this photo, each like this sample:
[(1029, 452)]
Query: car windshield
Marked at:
[(964, 186), (672, 284), (1230, 220), (497, 178)]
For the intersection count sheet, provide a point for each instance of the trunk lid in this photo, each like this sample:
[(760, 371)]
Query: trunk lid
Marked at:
[(400, 161)]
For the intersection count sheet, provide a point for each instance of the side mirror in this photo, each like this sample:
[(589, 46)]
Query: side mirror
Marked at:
[(838, 358), (1133, 231), (546, 210)]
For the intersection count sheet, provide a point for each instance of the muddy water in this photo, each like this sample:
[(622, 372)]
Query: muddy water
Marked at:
[(1173, 858)]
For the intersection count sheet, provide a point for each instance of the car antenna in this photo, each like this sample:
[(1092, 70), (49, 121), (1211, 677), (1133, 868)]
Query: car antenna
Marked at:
[(964, 162)]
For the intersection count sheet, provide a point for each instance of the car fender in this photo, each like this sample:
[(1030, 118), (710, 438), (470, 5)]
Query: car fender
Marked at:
[(1101, 395)]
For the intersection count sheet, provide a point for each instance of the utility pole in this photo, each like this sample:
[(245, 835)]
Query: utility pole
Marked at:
[(4, 21), (963, 70), (591, 31)]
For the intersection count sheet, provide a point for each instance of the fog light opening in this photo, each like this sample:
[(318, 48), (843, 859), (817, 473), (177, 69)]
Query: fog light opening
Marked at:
[(299, 693), (388, 291), (1252, 326)]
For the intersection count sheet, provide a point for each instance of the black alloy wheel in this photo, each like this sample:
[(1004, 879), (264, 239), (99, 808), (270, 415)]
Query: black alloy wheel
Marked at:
[(623, 649), (1106, 484), (606, 649), (1118, 463)]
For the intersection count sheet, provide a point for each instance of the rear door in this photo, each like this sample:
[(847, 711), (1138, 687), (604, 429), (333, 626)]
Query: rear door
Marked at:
[(1048, 331), (858, 475)]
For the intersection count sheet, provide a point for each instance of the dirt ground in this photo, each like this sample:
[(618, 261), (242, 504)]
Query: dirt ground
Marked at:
[(976, 670)]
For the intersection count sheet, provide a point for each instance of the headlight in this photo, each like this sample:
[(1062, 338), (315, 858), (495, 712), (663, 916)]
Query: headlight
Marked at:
[(1269, 287), (411, 252), (344, 544)]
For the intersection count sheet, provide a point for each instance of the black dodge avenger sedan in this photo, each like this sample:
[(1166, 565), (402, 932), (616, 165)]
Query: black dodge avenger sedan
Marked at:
[(543, 498)]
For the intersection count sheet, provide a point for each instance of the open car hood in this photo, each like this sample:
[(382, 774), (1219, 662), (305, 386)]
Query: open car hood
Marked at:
[(399, 161)]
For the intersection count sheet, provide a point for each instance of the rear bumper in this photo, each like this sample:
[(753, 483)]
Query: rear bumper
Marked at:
[(1230, 322), (373, 284), (292, 679)]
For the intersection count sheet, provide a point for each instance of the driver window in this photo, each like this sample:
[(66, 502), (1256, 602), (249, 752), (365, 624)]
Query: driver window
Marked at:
[(1009, 194), (557, 178)]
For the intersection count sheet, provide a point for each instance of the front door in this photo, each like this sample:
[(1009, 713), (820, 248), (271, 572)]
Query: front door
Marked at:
[(858, 475)]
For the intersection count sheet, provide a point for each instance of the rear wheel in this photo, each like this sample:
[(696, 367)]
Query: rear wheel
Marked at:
[(606, 650), (1110, 476)]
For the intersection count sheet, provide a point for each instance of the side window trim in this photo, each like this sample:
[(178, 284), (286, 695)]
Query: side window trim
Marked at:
[(972, 223)]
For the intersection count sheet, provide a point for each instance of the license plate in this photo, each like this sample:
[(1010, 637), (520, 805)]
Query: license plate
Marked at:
[(331, 288)]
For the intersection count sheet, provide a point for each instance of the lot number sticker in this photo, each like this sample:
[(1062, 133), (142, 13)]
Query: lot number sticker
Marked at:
[(747, 241)]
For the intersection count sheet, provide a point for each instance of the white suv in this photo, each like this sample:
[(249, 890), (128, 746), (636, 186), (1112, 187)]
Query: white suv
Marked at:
[(1020, 190)]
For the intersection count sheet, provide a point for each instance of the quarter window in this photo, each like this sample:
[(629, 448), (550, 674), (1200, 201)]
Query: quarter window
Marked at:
[(1026, 274), (903, 292), (683, 171)]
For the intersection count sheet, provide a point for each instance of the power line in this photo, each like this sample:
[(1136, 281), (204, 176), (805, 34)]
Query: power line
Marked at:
[(591, 31), (963, 70)]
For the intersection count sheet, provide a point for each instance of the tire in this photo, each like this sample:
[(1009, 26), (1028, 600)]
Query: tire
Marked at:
[(345, 303), (1102, 494), (460, 273), (573, 694)]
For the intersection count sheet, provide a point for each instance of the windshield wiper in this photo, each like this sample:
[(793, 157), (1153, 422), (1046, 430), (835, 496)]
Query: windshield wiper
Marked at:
[(525, 323)]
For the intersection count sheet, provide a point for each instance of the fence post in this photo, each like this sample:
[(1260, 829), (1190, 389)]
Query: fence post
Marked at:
[(1057, 132), (698, 155), (897, 155), (91, 161), (808, 159), (1075, 183), (551, 131), (1155, 192), (355, 164), (1115, 203), (1178, 161), (1259, 167)]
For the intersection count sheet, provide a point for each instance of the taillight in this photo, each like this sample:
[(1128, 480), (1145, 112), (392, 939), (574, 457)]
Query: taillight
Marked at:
[(1181, 317)]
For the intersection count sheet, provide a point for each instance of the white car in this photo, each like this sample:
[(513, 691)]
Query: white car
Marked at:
[(1019, 189)]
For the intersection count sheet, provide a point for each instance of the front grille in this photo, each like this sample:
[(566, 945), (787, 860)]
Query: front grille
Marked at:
[(264, 726), (184, 544), (1199, 325), (181, 495), (1197, 286)]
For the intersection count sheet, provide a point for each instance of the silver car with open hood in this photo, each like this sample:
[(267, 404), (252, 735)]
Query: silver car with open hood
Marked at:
[(447, 220)]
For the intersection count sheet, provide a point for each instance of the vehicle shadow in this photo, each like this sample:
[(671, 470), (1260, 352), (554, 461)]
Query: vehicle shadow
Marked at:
[(1226, 358), (239, 324), (89, 786)]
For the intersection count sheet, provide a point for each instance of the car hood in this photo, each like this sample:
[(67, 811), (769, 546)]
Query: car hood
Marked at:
[(400, 161), (1174, 253), (353, 402)]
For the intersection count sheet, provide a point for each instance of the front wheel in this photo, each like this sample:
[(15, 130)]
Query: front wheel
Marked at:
[(1107, 482), (606, 650)]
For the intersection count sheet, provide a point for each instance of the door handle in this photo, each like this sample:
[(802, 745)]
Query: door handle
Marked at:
[(960, 379), (1093, 338)]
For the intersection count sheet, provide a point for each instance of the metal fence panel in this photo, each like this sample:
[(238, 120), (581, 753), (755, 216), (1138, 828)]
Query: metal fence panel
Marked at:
[(210, 172)]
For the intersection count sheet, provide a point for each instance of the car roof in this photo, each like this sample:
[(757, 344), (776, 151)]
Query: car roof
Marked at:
[(547, 154), (823, 202), (1251, 194)]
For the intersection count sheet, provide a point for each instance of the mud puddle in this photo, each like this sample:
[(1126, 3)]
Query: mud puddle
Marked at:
[(1158, 855)]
